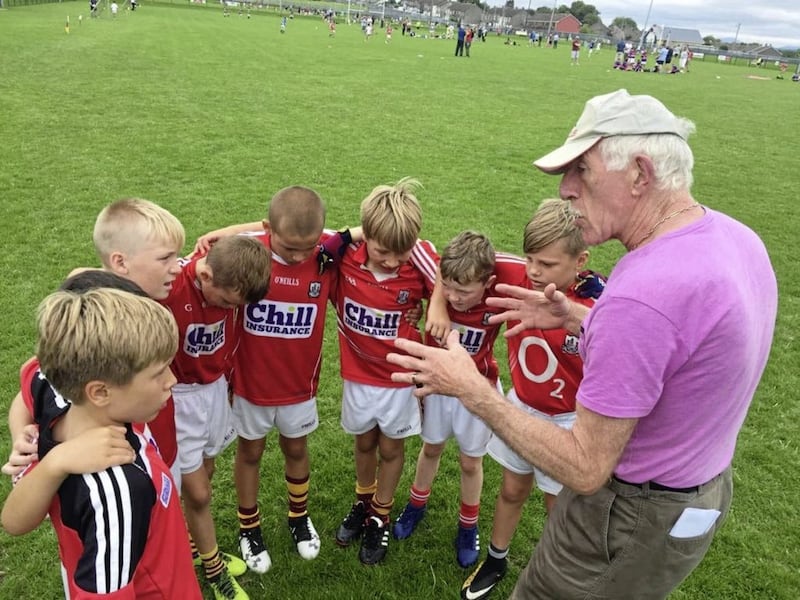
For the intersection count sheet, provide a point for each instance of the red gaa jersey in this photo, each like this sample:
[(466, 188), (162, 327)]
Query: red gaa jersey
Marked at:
[(206, 333), (546, 368), (476, 335), (371, 311), (280, 345)]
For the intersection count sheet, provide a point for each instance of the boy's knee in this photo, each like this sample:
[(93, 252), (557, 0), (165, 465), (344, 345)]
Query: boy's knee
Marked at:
[(471, 465), (432, 451), (366, 443), (390, 449), (294, 448), (250, 451), (196, 492), (514, 491)]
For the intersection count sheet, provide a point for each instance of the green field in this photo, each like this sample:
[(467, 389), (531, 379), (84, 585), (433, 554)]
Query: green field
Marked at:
[(209, 116)]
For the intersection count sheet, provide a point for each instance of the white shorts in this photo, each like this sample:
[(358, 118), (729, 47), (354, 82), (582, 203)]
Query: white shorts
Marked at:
[(444, 417), (394, 410), (512, 461), (254, 422), (575, 53), (203, 422)]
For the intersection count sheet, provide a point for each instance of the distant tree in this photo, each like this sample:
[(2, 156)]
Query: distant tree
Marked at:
[(562, 9), (627, 26), (585, 13), (710, 40), (624, 23), (509, 4), (544, 9), (723, 47)]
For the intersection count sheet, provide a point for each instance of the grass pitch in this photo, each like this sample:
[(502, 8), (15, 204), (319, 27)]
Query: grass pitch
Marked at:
[(209, 116)]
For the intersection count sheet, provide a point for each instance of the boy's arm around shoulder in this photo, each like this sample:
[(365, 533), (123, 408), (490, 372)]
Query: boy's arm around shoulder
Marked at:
[(24, 435), (205, 241), (426, 260), (24, 431), (90, 452), (437, 320)]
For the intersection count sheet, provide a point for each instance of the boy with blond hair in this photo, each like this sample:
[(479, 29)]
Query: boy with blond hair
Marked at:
[(545, 372), (140, 241), (281, 334), (204, 300), (469, 268), (110, 496), (376, 288)]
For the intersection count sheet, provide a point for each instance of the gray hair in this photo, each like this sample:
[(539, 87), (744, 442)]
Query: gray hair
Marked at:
[(671, 155)]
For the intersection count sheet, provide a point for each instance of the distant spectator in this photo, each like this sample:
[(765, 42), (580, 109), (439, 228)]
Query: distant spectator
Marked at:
[(575, 52), (620, 56), (462, 34), (684, 58), (661, 58)]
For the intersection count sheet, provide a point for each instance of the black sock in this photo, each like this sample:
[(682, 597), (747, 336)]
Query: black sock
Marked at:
[(496, 555)]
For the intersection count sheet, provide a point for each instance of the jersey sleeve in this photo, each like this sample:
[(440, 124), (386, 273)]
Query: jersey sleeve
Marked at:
[(110, 512), (426, 260), (26, 377)]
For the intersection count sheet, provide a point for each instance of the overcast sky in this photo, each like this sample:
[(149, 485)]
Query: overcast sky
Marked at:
[(775, 22)]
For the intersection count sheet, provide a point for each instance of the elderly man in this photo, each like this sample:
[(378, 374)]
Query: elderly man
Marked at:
[(673, 352)]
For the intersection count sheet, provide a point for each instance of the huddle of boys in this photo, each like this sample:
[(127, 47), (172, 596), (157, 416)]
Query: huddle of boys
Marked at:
[(373, 285)]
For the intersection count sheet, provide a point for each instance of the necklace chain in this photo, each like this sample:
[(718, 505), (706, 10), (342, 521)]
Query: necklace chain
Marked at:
[(661, 222)]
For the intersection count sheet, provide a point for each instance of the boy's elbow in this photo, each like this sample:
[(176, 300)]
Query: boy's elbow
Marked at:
[(11, 527), (15, 526)]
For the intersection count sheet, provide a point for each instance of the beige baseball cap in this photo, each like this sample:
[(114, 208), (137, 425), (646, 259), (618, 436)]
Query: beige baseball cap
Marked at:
[(617, 113)]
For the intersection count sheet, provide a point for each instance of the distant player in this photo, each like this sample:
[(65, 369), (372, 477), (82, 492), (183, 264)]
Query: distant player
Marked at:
[(575, 52)]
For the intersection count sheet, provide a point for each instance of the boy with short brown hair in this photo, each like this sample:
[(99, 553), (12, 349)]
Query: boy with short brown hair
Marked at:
[(280, 333), (204, 300), (469, 268)]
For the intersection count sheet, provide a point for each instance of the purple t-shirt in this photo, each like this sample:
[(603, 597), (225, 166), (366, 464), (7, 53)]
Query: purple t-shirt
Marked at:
[(679, 340)]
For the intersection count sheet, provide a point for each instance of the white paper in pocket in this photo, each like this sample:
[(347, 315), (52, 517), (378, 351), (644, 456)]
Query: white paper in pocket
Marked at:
[(694, 522)]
